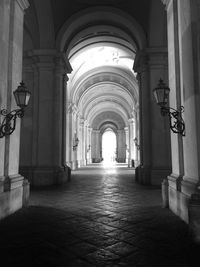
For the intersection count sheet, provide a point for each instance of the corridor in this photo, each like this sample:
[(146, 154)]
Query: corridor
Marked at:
[(99, 218)]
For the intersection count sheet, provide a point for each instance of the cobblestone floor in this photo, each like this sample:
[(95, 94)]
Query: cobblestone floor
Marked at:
[(100, 218)]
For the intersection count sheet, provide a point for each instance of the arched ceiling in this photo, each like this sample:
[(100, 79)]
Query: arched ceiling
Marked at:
[(94, 56), (103, 93), (103, 83), (107, 126), (107, 118), (100, 38)]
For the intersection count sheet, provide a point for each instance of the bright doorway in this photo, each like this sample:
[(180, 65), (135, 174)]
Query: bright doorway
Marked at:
[(109, 147)]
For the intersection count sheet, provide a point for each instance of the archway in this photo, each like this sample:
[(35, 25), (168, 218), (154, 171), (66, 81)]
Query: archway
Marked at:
[(109, 146), (102, 81), (102, 88)]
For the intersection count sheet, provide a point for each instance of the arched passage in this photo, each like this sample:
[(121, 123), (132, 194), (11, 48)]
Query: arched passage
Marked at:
[(102, 81), (98, 56)]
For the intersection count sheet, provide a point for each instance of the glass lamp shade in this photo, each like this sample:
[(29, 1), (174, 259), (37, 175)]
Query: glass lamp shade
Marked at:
[(22, 95), (161, 93)]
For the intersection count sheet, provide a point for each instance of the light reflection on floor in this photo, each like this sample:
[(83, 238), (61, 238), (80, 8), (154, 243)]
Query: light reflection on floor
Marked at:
[(109, 166)]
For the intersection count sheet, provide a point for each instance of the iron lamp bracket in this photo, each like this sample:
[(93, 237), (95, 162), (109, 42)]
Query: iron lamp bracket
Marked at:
[(8, 124), (177, 124)]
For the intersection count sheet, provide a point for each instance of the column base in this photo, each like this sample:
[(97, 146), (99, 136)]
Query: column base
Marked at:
[(89, 161), (178, 201), (46, 175), (121, 160), (151, 176), (143, 175), (96, 160), (79, 163), (2, 179), (165, 194), (194, 216), (83, 162), (183, 199), (14, 198), (158, 174), (74, 165)]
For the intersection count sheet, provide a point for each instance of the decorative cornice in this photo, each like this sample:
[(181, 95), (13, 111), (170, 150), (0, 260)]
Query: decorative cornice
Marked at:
[(24, 4)]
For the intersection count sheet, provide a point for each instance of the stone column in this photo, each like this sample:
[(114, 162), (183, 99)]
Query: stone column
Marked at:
[(131, 147), (121, 146), (184, 66), (83, 162), (154, 129), (143, 172), (174, 180), (161, 152), (14, 189), (79, 133), (74, 137), (127, 143), (96, 147), (136, 135), (48, 135), (59, 142), (89, 145), (85, 141), (69, 137)]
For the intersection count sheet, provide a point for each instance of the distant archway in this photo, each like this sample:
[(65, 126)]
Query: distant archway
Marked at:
[(109, 146)]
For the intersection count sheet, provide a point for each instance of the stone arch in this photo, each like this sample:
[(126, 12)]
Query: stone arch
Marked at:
[(106, 75), (110, 124), (99, 16)]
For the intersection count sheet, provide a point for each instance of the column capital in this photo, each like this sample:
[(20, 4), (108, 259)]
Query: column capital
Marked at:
[(62, 60), (24, 4), (166, 2), (57, 59), (95, 131), (131, 120), (82, 121), (140, 62), (62, 64)]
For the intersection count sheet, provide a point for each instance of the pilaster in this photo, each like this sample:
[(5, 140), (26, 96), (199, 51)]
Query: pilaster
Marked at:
[(131, 146), (45, 129), (13, 188), (121, 146), (143, 172)]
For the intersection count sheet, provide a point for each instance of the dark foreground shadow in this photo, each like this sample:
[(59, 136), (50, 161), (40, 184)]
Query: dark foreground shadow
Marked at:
[(42, 236)]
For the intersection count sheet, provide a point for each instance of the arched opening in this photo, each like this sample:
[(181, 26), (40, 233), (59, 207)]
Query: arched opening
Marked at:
[(102, 88), (109, 146), (101, 81)]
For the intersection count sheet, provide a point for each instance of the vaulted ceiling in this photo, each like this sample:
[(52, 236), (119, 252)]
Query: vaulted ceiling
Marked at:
[(100, 39)]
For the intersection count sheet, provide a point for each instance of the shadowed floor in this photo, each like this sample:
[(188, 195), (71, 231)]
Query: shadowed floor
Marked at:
[(100, 218)]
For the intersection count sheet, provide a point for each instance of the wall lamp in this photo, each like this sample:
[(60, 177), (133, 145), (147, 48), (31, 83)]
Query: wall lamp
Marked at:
[(136, 143), (22, 96), (161, 94), (75, 143), (89, 147)]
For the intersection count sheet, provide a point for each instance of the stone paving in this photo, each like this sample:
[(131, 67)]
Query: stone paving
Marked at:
[(100, 218)]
